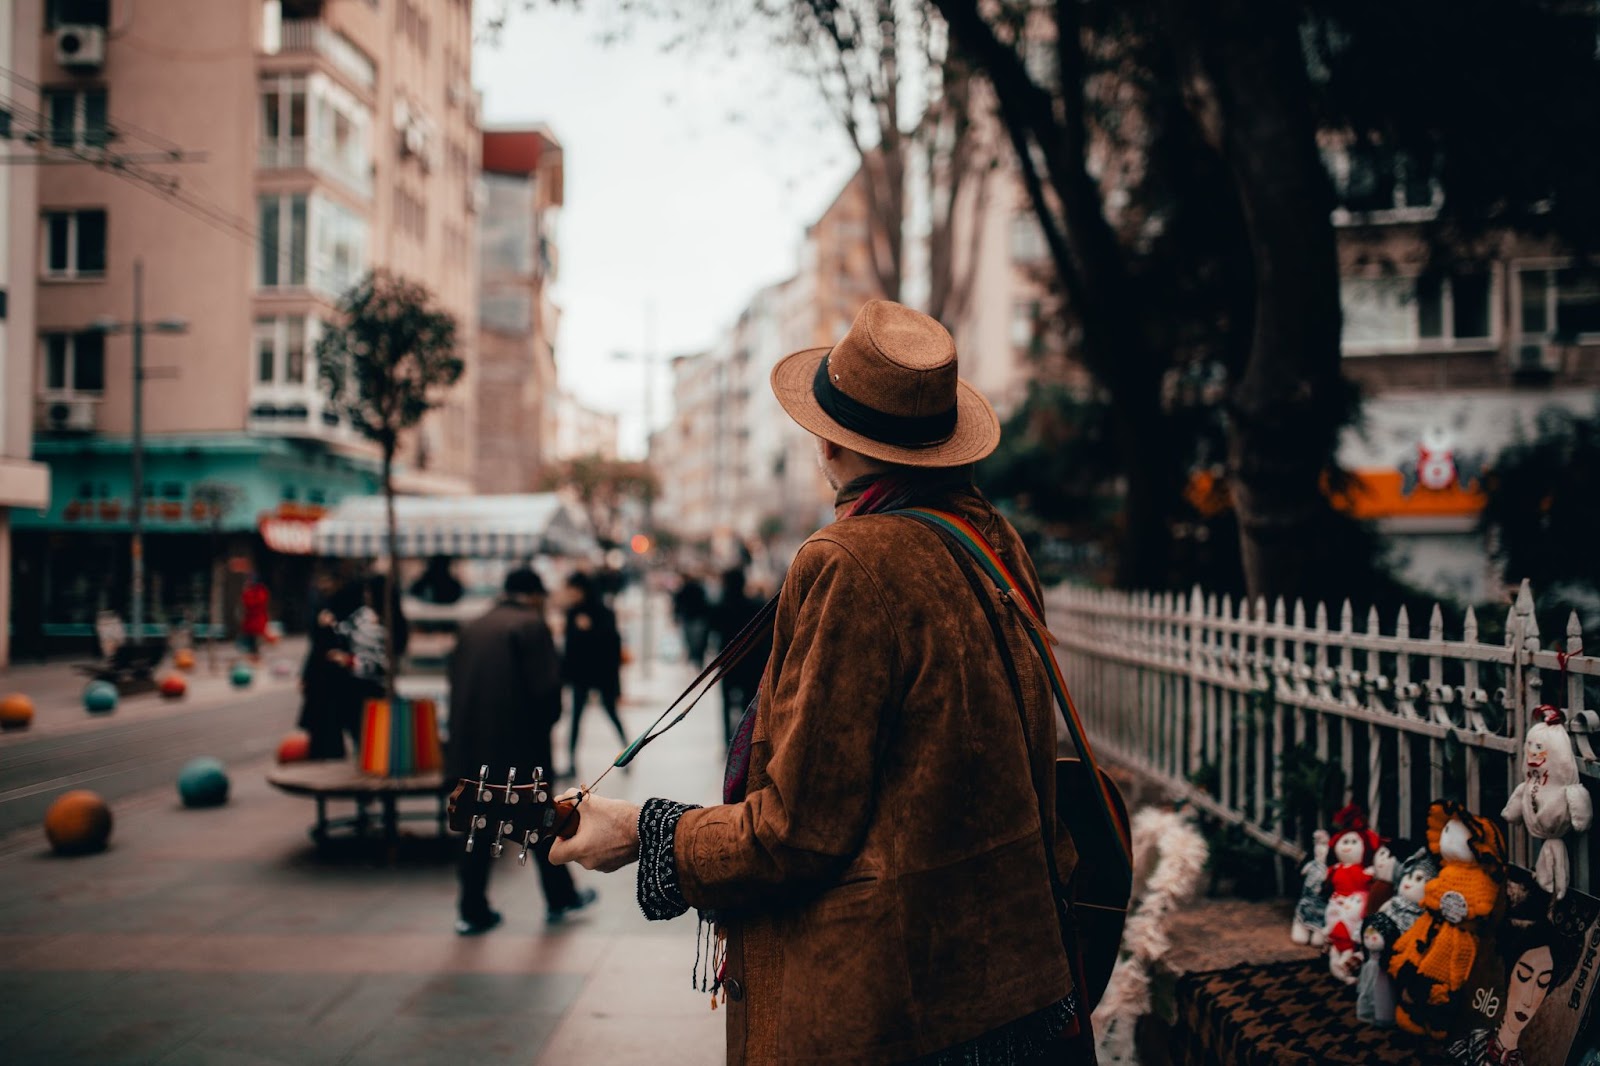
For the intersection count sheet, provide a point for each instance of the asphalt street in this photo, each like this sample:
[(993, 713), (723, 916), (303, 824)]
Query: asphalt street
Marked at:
[(121, 758)]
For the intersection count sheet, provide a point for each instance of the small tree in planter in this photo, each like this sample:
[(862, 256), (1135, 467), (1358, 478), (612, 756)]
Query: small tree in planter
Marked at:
[(388, 362)]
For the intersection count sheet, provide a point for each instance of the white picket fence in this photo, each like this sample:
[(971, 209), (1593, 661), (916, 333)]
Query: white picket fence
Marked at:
[(1218, 700)]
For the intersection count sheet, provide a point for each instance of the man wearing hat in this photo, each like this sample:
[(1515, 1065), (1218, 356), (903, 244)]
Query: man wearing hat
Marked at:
[(505, 694), (877, 873)]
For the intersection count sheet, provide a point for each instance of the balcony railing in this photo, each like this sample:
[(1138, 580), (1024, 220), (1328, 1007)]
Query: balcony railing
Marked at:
[(311, 35)]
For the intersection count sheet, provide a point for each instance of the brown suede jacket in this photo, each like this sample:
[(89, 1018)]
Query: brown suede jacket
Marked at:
[(884, 881)]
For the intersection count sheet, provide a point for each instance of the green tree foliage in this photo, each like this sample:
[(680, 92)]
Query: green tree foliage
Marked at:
[(603, 488), (388, 360), (1544, 503)]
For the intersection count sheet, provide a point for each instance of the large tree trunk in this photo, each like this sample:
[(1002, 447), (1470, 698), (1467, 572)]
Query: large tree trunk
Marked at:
[(1251, 92), (392, 579)]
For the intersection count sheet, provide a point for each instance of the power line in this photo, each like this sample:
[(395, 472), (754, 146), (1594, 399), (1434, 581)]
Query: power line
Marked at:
[(138, 132)]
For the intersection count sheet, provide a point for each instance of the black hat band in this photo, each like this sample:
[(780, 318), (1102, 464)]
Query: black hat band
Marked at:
[(903, 431)]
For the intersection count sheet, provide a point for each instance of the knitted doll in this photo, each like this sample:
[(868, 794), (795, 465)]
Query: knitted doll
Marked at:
[(1433, 959), (1350, 852), (1375, 991), (1384, 871), (1310, 914), (1550, 801)]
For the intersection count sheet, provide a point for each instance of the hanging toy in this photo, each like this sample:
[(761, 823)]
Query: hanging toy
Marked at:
[(1312, 910), (1375, 996), (1433, 959), (1550, 801), (1349, 882)]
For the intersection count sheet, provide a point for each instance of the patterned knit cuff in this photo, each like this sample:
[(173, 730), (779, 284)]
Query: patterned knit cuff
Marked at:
[(659, 897)]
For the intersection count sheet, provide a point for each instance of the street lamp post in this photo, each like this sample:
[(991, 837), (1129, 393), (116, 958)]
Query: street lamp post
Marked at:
[(137, 329), (646, 359)]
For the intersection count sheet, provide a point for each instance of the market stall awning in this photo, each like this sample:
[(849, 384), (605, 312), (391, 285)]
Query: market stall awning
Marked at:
[(482, 527)]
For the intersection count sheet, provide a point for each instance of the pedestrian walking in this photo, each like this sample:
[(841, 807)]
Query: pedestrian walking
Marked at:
[(592, 663), (732, 613), (691, 607), (254, 603), (879, 870), (325, 684), (505, 695)]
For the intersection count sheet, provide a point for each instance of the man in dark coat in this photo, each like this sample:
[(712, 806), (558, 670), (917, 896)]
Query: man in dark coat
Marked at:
[(505, 694)]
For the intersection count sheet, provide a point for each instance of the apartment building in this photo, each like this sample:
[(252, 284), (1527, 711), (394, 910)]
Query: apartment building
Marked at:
[(250, 160), (24, 484), (1454, 361), (518, 400), (580, 430)]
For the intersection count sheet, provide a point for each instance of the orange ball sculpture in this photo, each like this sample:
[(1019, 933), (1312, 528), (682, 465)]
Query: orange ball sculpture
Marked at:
[(296, 747), (16, 712), (173, 686), (78, 823), (183, 658)]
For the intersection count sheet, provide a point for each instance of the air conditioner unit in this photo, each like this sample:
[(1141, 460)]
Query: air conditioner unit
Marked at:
[(1536, 357), (67, 415), (80, 47)]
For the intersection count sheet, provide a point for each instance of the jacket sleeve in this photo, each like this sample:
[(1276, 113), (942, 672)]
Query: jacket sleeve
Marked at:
[(834, 671)]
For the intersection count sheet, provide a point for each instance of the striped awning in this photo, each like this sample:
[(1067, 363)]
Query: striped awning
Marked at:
[(479, 527)]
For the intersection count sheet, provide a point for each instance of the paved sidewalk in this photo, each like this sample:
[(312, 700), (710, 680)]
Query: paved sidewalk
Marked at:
[(56, 689), (220, 937)]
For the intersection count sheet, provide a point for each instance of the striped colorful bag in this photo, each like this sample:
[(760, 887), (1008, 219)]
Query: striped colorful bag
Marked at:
[(400, 740)]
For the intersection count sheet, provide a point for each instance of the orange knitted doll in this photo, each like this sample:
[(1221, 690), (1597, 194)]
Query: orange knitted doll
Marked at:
[(1433, 959)]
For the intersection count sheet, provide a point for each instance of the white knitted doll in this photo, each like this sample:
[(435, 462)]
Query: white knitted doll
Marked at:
[(1550, 801), (1310, 913)]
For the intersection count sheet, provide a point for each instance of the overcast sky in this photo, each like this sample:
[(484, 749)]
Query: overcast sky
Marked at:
[(690, 176)]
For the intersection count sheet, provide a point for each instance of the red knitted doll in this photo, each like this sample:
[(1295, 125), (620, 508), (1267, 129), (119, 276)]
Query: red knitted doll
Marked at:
[(1349, 880)]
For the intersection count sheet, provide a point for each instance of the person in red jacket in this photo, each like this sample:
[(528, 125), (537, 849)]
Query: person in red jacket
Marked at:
[(253, 625)]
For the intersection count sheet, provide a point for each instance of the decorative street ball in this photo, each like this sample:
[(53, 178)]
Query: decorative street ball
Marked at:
[(100, 697), (78, 823), (296, 747), (16, 712), (183, 658), (174, 686), (203, 782), (242, 675)]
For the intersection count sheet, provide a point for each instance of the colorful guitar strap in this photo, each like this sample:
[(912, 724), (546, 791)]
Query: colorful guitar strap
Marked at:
[(978, 546)]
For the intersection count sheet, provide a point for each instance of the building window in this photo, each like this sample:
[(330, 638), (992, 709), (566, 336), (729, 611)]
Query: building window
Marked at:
[(77, 117), (283, 122), (77, 13), (1396, 314), (1559, 302), (1372, 178), (340, 247), (74, 363), (281, 344), (282, 231), (75, 244), (1027, 240)]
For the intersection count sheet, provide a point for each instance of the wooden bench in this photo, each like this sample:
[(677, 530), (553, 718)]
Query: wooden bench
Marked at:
[(336, 779)]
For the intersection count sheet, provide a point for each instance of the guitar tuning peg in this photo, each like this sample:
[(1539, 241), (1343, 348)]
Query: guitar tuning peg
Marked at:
[(478, 822), (511, 779), (483, 793), (500, 831), (528, 837)]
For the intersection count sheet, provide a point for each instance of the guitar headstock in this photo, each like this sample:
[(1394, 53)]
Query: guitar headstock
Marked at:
[(522, 814)]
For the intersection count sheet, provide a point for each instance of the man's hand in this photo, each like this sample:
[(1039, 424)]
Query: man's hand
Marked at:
[(607, 838)]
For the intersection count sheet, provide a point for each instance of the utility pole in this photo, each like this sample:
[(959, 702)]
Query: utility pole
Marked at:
[(136, 516)]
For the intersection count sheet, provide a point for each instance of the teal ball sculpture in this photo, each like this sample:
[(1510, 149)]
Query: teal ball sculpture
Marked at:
[(100, 697), (203, 782), (242, 675)]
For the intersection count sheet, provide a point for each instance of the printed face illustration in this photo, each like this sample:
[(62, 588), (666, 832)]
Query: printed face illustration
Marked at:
[(1455, 841), (1413, 885), (1528, 986), (1349, 848), (1537, 752)]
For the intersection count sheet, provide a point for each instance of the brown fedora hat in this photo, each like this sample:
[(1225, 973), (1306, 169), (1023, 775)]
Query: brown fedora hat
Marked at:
[(889, 390)]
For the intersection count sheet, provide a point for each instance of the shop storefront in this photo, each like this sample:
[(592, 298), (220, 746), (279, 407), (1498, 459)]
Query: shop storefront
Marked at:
[(217, 509)]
